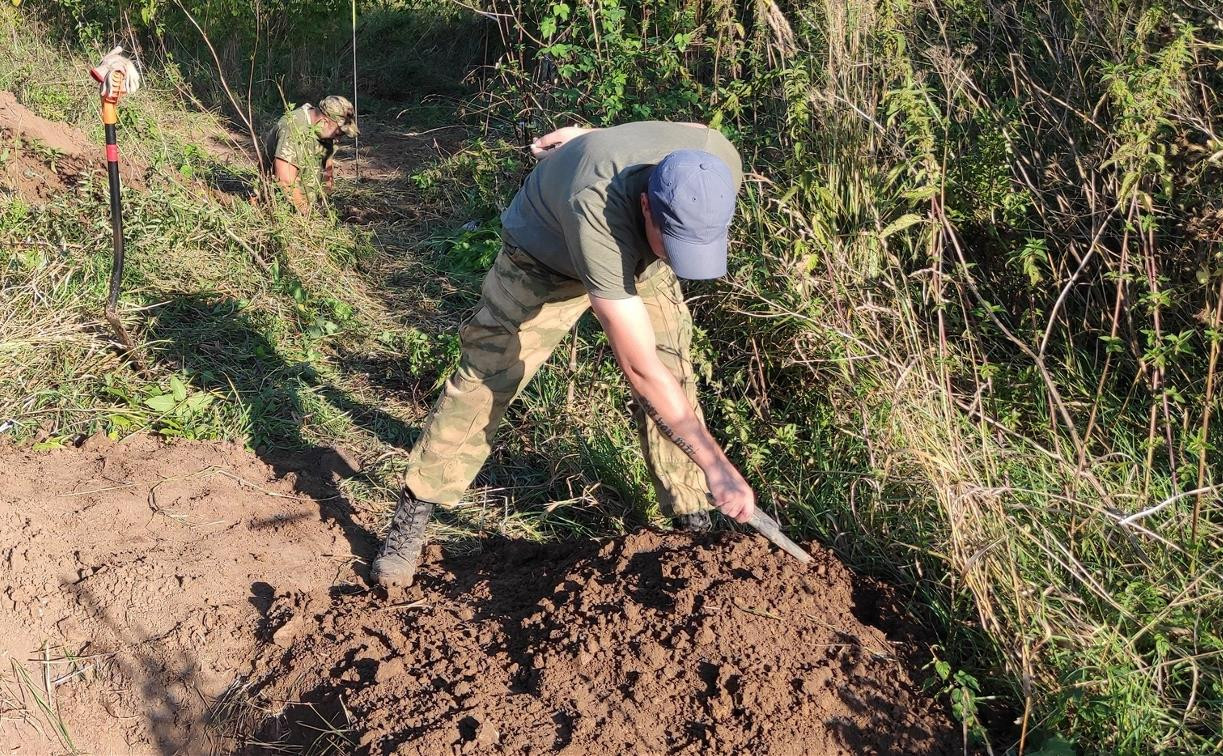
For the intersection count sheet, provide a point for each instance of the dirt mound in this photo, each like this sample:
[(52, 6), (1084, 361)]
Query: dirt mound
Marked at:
[(180, 597), (34, 174), (46, 157), (58, 136), (646, 644), (136, 575)]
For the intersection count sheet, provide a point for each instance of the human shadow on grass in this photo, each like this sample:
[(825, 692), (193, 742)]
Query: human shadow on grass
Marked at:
[(223, 349), (906, 624)]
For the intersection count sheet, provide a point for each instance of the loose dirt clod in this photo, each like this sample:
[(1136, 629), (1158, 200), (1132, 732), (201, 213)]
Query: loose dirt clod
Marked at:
[(650, 643)]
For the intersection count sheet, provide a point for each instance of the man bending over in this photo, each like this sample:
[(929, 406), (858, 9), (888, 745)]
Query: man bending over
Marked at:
[(610, 219), (298, 150)]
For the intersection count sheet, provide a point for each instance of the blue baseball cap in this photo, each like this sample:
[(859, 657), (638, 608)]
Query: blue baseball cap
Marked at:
[(692, 198)]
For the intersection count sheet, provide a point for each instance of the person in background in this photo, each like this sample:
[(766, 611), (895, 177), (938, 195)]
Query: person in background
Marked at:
[(298, 151)]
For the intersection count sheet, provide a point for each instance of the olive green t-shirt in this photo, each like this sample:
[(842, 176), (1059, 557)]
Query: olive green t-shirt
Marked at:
[(294, 140), (579, 211)]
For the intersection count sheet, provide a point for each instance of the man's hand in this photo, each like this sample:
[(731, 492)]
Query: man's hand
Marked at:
[(299, 201), (731, 494), (550, 141)]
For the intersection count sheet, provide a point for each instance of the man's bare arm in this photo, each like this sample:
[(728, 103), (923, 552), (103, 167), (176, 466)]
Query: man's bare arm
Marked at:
[(286, 176), (678, 440), (628, 328), (544, 145)]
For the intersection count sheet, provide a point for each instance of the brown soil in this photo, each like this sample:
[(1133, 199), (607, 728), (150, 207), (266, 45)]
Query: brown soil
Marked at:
[(379, 187), (652, 643), (164, 581), (51, 156), (139, 570), (56, 135), (36, 176)]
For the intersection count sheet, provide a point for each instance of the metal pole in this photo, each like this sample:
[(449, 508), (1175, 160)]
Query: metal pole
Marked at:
[(356, 142)]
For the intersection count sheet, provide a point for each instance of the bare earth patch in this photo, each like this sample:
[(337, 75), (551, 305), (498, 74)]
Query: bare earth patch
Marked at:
[(139, 571), (52, 156), (191, 597), (651, 643)]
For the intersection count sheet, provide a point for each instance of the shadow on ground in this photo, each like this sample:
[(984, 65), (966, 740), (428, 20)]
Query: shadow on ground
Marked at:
[(145, 673), (215, 342)]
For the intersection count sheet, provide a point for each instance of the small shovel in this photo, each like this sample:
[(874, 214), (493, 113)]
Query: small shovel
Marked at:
[(768, 527)]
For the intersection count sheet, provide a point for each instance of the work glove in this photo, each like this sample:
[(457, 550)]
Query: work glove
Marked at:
[(114, 61)]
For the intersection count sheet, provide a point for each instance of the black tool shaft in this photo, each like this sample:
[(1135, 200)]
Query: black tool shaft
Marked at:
[(116, 217)]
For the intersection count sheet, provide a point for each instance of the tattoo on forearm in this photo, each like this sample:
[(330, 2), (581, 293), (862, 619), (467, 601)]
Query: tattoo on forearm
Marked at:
[(679, 441)]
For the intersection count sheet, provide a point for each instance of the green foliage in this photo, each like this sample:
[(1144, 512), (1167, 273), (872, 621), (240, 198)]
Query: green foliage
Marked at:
[(297, 50), (477, 179), (972, 317), (49, 101), (962, 691), (177, 413), (91, 23), (470, 250)]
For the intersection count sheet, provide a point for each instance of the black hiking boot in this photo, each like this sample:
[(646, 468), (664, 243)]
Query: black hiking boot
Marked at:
[(396, 564), (694, 522)]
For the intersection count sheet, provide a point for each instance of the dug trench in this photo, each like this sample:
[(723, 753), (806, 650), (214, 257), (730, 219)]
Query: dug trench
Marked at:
[(192, 597)]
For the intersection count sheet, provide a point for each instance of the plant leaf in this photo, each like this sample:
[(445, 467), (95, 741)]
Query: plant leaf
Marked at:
[(160, 403), (900, 224), (177, 388)]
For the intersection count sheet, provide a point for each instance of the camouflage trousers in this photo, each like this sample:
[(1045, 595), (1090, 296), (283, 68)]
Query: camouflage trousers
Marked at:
[(525, 311)]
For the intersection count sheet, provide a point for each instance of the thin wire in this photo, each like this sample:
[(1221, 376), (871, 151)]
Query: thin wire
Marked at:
[(356, 142)]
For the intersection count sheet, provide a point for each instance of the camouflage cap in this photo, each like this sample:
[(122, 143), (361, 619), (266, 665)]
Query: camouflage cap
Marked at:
[(342, 112)]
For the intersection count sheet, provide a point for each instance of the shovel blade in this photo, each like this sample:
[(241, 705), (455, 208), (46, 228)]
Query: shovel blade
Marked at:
[(769, 528)]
